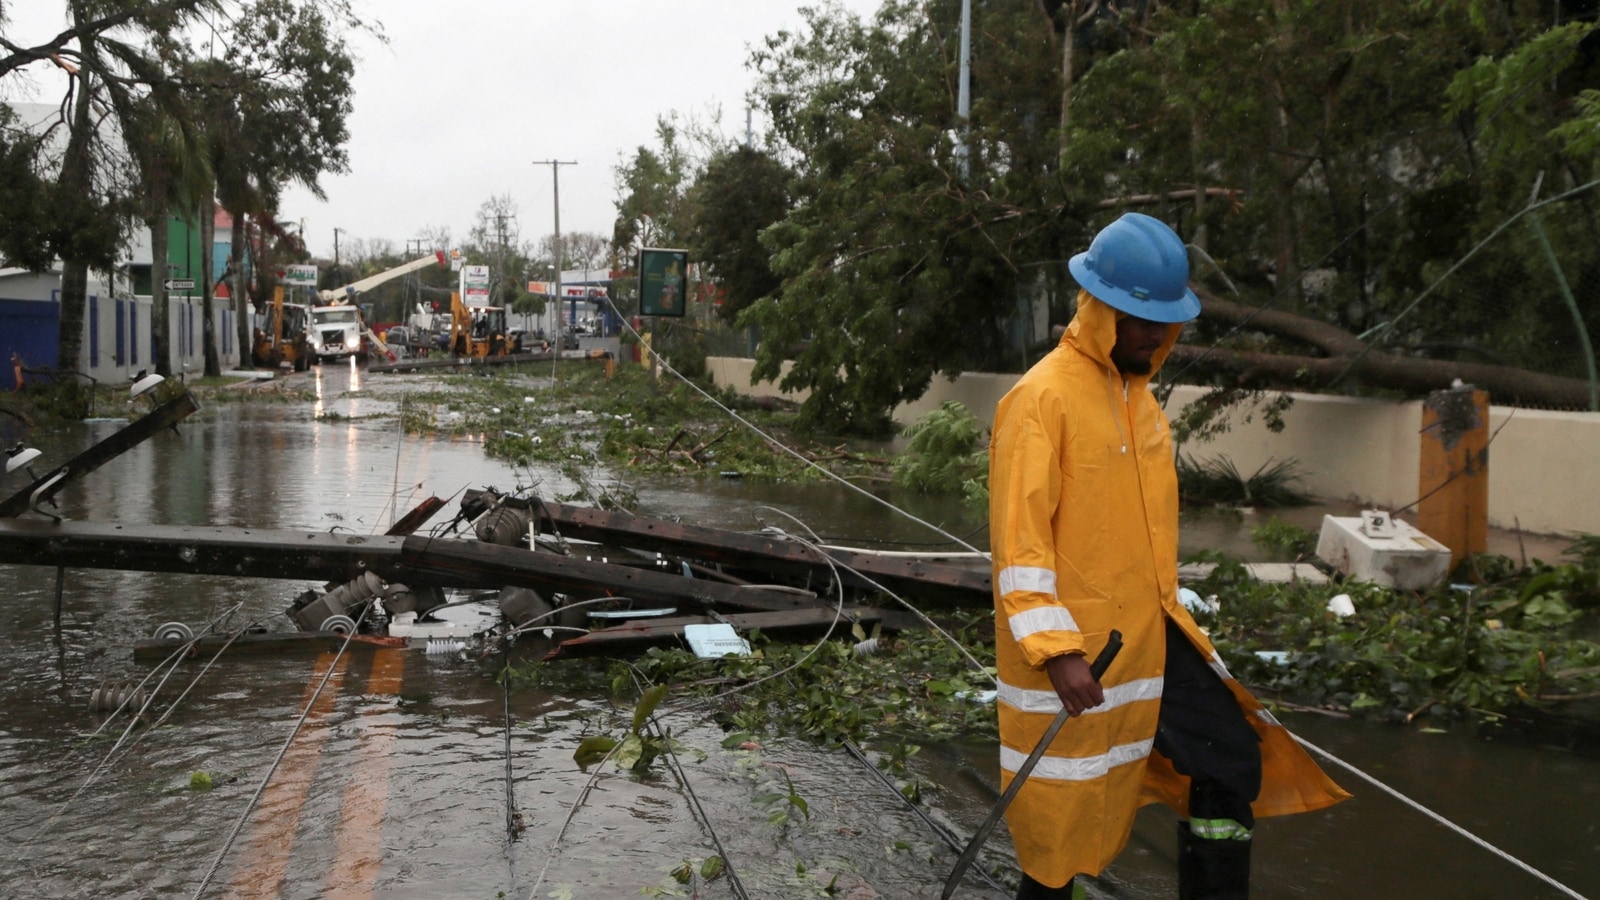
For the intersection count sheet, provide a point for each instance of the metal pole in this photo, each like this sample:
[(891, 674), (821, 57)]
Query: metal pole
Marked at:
[(61, 585), (1108, 653), (964, 92), (1566, 294), (555, 175), (1572, 304)]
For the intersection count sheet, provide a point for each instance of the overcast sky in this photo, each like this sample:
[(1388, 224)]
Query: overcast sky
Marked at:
[(469, 93)]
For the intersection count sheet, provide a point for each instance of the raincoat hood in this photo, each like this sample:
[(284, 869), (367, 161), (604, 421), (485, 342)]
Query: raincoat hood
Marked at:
[(1093, 332)]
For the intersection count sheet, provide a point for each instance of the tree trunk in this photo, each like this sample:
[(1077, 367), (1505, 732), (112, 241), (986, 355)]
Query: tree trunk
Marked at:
[(241, 287), (208, 337), (1289, 170), (1069, 40), (160, 311), (76, 178)]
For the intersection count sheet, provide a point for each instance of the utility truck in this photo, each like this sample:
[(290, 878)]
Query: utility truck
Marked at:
[(337, 328)]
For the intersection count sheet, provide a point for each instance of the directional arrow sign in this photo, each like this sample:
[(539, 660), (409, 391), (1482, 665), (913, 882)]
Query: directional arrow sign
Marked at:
[(179, 284)]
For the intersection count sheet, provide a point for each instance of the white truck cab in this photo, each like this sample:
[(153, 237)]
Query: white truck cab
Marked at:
[(335, 332)]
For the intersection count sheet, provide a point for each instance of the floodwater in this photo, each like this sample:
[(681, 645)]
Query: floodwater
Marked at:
[(403, 772)]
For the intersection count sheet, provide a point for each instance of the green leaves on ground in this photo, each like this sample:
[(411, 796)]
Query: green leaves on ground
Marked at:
[(639, 747), (916, 686), (1488, 648), (627, 421)]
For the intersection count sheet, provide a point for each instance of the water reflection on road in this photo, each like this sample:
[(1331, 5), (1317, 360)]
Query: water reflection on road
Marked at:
[(397, 784)]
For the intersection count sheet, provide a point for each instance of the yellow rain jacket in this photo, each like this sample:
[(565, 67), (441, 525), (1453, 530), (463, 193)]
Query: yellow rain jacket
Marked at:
[(1084, 532)]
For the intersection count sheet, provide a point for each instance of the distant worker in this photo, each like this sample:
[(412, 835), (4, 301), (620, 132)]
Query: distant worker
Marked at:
[(1084, 513)]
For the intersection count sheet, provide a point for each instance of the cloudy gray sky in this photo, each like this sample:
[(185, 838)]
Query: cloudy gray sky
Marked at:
[(469, 93)]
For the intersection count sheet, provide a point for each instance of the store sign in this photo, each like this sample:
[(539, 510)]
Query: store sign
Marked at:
[(300, 276), (475, 286)]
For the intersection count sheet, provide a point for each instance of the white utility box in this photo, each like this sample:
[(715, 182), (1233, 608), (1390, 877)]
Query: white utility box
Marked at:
[(713, 641), (1379, 548)]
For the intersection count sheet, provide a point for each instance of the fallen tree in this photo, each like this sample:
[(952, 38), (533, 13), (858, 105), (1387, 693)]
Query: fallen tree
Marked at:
[(1345, 357)]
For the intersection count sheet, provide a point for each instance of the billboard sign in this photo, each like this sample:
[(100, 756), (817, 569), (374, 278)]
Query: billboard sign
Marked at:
[(300, 276), (475, 286), (663, 282)]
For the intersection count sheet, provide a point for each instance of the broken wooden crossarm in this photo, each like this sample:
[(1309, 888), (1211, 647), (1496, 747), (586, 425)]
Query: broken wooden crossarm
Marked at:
[(479, 564), (164, 416), (769, 553), (417, 517)]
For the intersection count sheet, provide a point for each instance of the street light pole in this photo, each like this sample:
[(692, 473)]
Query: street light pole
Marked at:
[(555, 175), (964, 90), (338, 275)]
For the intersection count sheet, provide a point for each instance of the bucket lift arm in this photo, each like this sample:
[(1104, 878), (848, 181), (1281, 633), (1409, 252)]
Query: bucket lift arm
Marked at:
[(348, 293)]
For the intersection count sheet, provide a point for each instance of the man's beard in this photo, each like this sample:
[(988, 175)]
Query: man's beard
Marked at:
[(1132, 366)]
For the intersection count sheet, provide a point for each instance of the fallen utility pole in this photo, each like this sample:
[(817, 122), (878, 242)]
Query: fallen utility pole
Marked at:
[(484, 565), (456, 362), (164, 416), (919, 577), (321, 556)]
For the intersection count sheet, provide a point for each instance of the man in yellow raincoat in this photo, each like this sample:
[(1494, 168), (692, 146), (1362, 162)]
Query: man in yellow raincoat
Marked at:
[(1084, 533)]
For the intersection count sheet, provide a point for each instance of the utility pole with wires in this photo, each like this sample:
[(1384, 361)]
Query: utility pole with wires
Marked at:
[(555, 175), (500, 253)]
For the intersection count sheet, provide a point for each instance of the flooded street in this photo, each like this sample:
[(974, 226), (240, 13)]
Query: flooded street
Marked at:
[(404, 772)]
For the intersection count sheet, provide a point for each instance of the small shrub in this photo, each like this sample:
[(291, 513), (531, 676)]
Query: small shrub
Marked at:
[(943, 455)]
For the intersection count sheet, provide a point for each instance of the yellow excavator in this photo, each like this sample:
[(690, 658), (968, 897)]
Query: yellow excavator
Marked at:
[(478, 331), (283, 341)]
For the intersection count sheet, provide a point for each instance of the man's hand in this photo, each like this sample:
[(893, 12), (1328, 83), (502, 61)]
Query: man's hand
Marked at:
[(1074, 683)]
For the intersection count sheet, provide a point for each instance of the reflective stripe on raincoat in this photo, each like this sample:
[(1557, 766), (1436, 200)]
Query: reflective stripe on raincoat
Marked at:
[(1084, 533)]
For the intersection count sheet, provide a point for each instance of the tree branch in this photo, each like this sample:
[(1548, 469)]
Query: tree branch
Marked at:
[(21, 56)]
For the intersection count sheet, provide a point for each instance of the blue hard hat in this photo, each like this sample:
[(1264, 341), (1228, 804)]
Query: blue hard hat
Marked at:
[(1139, 265)]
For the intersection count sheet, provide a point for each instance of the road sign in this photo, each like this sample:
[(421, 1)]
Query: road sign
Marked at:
[(179, 284)]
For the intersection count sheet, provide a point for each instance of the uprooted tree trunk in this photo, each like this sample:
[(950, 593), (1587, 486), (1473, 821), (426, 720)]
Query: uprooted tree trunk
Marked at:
[(1349, 358)]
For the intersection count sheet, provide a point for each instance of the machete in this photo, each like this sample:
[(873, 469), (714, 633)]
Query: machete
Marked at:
[(1097, 669)]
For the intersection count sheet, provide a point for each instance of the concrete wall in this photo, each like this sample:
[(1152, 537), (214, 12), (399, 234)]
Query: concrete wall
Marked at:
[(116, 347), (1543, 470)]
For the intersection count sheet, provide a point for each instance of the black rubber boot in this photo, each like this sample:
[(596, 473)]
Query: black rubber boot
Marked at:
[(1033, 890), (1212, 870)]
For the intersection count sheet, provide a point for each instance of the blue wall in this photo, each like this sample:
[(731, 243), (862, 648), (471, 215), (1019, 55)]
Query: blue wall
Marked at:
[(30, 329)]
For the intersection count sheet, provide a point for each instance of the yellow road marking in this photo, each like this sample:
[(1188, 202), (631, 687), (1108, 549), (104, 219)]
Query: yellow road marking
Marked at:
[(277, 817), (359, 841)]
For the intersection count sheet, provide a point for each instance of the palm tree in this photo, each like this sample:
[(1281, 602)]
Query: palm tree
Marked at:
[(115, 77)]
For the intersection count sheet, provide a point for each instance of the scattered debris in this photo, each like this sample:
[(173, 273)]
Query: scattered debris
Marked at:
[(596, 582)]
